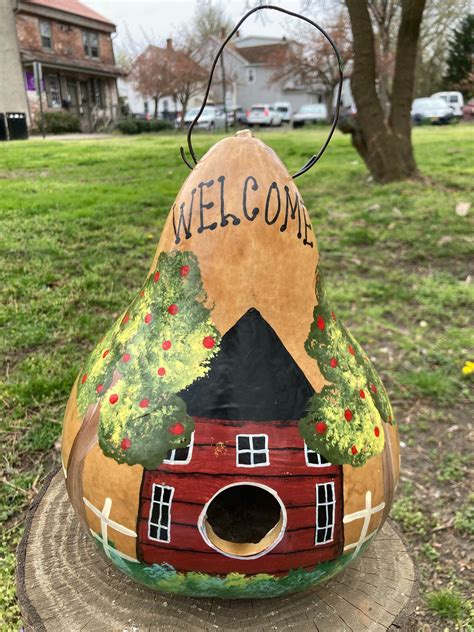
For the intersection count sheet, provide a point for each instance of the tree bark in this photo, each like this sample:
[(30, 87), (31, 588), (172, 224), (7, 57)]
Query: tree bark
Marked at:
[(384, 145)]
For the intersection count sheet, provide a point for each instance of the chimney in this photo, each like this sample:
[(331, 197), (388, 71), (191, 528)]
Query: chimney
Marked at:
[(169, 44)]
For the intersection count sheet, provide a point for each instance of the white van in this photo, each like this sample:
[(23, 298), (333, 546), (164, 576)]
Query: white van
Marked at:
[(284, 109), (453, 99)]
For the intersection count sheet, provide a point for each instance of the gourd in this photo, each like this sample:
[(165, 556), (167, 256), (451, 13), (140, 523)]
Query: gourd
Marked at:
[(231, 335)]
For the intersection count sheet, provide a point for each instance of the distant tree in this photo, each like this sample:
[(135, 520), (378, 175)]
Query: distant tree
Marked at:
[(190, 78), (210, 18), (440, 19), (381, 130), (153, 75), (459, 74), (311, 62)]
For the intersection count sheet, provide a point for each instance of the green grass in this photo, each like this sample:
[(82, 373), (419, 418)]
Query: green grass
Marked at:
[(79, 222), (464, 517), (449, 604)]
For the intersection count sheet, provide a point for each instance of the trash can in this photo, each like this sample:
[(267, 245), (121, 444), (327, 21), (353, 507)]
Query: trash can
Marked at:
[(17, 127), (3, 127)]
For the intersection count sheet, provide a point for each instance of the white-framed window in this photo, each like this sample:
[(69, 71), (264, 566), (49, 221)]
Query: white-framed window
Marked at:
[(45, 34), (53, 91), (325, 513), (159, 520), (314, 459), (252, 450), (251, 75), (91, 43), (180, 456)]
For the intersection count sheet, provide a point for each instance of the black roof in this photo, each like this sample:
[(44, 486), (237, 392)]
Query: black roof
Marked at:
[(252, 377)]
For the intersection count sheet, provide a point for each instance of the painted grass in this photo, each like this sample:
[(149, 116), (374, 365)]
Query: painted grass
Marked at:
[(79, 222)]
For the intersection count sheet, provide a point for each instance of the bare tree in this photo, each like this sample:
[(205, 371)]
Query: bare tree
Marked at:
[(210, 18), (189, 81), (311, 62), (152, 74), (383, 136), (440, 18)]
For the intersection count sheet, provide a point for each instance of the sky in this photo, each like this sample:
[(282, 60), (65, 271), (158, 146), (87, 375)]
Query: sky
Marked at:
[(160, 19)]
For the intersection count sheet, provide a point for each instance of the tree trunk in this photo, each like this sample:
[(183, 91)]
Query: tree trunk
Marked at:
[(384, 145), (156, 99), (84, 441)]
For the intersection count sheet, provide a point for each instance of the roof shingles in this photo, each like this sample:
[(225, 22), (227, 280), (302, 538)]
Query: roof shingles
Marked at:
[(72, 6)]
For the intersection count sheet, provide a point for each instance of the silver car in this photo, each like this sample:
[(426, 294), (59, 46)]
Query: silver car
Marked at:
[(263, 114), (310, 113), (210, 119), (430, 110)]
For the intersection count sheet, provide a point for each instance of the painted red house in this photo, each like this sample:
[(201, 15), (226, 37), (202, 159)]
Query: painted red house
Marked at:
[(246, 463)]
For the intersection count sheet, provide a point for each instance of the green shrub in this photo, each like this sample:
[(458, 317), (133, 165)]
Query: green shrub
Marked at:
[(137, 126), (159, 125), (129, 126), (60, 122)]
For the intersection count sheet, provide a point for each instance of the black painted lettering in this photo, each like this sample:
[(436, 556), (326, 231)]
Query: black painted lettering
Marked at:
[(182, 220), (273, 187), (307, 224), (224, 215), (204, 205), (256, 210), (292, 208)]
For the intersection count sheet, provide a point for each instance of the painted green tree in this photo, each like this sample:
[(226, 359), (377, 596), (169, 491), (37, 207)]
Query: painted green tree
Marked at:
[(162, 343), (344, 421)]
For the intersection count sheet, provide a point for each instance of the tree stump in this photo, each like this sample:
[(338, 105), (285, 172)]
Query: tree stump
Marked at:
[(64, 584)]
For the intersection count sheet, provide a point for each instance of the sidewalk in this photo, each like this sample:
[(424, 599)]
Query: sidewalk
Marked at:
[(38, 137)]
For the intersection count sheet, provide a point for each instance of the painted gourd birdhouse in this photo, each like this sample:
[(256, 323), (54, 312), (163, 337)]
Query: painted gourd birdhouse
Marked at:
[(228, 436)]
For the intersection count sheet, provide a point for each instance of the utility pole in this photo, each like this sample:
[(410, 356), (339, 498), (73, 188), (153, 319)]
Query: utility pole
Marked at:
[(38, 73), (224, 91)]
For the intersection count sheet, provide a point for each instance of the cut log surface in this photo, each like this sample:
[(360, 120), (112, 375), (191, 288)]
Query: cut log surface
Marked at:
[(65, 585)]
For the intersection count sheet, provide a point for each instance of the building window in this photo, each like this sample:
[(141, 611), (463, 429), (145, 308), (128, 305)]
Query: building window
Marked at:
[(71, 92), (53, 91), (91, 43), (180, 456), (159, 521), (45, 33), (313, 459), (252, 450), (325, 513), (251, 75), (96, 92)]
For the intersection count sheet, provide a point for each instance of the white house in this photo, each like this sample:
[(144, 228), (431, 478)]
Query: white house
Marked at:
[(249, 70)]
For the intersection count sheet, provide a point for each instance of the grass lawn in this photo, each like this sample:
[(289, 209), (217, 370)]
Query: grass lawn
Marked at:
[(79, 222)]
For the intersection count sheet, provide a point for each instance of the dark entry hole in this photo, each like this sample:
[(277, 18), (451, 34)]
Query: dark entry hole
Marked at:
[(243, 513)]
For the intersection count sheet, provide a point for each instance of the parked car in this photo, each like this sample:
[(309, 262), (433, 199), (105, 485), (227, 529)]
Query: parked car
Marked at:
[(468, 110), (263, 114), (310, 113), (455, 100), (236, 116), (430, 110), (284, 109), (211, 118)]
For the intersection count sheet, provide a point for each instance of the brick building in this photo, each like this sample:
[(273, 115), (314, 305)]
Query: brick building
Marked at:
[(71, 46)]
